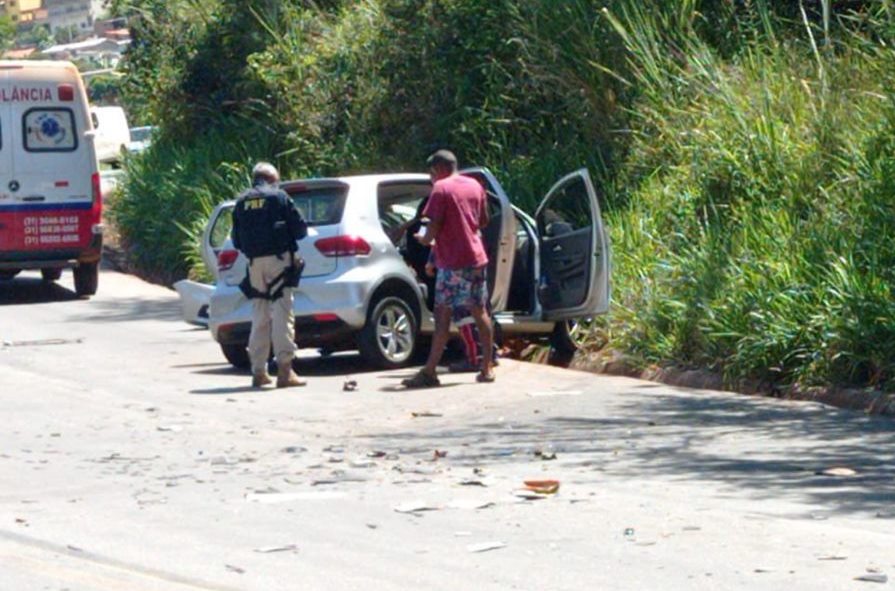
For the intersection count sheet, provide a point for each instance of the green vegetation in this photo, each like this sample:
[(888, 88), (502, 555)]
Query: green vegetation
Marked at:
[(746, 151)]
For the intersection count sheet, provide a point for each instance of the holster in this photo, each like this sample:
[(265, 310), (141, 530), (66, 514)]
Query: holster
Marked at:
[(289, 277)]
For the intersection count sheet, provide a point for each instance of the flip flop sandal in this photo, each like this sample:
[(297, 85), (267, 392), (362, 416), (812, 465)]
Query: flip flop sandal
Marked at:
[(485, 378), (421, 380)]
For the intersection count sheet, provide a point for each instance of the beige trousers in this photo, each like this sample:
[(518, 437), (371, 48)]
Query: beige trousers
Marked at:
[(272, 321)]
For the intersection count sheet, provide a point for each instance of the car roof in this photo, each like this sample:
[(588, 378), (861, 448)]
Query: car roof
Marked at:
[(359, 179)]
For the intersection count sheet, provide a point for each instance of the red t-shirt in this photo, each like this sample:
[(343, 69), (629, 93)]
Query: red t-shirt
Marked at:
[(457, 201)]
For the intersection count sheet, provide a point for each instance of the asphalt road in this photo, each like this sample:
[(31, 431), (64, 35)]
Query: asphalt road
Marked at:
[(132, 457)]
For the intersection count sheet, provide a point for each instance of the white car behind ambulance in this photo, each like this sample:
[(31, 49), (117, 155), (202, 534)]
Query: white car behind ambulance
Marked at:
[(50, 197)]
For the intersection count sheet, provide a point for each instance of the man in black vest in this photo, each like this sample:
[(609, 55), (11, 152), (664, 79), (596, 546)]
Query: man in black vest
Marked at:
[(266, 226)]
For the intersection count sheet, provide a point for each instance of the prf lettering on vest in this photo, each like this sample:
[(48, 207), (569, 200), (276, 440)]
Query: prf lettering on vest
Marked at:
[(25, 94), (254, 204)]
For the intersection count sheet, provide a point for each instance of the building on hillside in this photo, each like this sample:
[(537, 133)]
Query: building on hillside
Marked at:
[(23, 13), (72, 14), (102, 28), (106, 52), (19, 54)]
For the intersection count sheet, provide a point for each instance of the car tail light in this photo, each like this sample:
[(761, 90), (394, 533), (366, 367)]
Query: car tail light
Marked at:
[(343, 246), (226, 258)]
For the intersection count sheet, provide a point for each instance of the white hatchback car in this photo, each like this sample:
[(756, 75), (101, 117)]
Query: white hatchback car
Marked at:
[(358, 292)]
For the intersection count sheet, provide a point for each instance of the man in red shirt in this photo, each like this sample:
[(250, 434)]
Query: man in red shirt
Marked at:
[(457, 211)]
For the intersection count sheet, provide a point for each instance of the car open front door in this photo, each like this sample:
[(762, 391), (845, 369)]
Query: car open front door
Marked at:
[(499, 236), (574, 250)]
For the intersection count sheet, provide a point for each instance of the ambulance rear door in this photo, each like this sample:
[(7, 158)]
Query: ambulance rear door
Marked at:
[(53, 163)]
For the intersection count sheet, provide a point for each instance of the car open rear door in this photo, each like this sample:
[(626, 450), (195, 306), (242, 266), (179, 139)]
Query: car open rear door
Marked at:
[(216, 233), (574, 250), (499, 236)]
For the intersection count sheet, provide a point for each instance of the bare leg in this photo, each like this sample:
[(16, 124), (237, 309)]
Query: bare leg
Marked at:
[(486, 332), (439, 339)]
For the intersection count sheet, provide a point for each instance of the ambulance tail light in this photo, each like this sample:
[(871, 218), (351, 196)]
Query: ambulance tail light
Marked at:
[(96, 210), (66, 93), (343, 246), (226, 259)]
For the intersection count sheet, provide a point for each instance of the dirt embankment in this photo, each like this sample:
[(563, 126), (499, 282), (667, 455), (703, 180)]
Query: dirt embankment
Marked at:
[(870, 401)]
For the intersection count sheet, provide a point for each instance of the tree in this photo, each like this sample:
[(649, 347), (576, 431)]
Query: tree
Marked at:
[(7, 32)]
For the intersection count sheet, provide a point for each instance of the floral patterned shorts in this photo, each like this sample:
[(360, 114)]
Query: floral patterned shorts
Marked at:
[(462, 289)]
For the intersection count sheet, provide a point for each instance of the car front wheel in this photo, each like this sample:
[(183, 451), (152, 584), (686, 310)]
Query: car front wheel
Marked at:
[(389, 337)]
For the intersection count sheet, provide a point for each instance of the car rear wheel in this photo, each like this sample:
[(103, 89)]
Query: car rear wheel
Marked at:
[(86, 279), (237, 355), (389, 337), (565, 336), (50, 275)]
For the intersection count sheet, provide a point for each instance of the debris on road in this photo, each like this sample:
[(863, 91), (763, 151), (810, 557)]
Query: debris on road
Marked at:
[(527, 495), (424, 414), (472, 482), (415, 507), (470, 504), (840, 471), (439, 454), (547, 456), (485, 547), (349, 386), (873, 578), (833, 557), (272, 549), (172, 428), (235, 569), (294, 449), (376, 454), (543, 487)]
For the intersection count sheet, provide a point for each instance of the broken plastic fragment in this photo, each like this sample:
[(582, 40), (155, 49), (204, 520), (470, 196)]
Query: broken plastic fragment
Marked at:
[(544, 487), (415, 507), (271, 549), (838, 471), (485, 546)]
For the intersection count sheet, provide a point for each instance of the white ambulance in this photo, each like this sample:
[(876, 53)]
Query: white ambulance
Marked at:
[(50, 198)]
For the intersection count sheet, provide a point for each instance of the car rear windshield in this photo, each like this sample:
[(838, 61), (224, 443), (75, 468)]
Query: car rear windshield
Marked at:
[(319, 206)]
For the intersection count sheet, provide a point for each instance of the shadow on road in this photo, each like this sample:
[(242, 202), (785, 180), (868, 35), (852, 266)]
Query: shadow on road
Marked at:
[(767, 450), (33, 290), (133, 309)]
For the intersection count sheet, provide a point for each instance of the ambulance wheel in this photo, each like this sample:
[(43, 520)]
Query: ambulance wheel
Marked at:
[(86, 279), (50, 275), (237, 355)]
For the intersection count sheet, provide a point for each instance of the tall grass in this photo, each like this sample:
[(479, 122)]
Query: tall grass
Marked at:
[(757, 235)]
